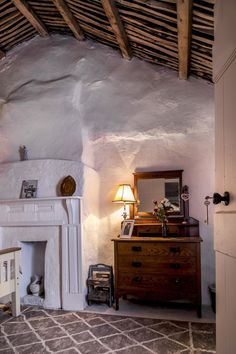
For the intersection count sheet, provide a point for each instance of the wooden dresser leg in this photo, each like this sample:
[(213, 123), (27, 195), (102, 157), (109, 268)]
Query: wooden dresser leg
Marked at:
[(117, 303), (199, 311)]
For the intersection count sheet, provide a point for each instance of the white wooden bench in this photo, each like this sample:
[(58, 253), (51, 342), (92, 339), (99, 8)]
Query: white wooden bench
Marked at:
[(9, 277)]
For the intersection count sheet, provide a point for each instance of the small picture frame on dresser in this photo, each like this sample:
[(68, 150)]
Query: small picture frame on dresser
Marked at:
[(127, 228)]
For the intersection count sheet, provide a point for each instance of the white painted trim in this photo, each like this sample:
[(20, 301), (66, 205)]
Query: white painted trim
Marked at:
[(32, 200)]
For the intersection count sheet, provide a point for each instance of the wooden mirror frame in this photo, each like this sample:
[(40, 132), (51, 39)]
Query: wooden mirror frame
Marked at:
[(152, 175)]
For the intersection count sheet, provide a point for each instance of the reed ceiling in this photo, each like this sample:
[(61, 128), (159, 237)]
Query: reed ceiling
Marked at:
[(174, 33)]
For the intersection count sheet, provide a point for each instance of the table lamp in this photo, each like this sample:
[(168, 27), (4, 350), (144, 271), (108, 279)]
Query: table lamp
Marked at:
[(124, 195)]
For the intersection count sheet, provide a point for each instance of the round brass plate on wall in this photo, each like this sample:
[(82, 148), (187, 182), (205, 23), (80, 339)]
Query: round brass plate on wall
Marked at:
[(68, 186)]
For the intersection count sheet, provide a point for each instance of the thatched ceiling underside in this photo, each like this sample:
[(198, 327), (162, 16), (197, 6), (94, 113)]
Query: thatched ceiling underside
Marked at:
[(175, 33)]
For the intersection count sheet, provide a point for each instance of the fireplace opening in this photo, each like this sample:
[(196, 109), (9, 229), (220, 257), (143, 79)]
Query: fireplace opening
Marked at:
[(32, 272)]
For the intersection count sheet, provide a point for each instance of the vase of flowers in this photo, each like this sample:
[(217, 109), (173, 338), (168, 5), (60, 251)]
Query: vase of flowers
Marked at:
[(160, 211)]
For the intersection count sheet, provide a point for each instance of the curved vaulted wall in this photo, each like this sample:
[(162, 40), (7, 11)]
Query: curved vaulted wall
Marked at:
[(82, 102)]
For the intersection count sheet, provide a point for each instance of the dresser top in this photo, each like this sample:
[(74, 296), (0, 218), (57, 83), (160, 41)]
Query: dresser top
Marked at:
[(195, 239)]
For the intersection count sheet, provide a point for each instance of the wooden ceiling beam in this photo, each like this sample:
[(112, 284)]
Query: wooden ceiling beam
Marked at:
[(184, 24), (69, 18), (30, 15), (117, 26)]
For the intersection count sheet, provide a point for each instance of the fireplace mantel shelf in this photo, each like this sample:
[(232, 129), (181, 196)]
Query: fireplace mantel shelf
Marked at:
[(40, 211), (28, 200)]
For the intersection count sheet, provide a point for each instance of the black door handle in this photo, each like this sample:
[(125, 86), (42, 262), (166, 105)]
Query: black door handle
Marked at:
[(217, 198)]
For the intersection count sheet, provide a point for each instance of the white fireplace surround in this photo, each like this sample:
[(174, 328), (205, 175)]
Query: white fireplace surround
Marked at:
[(56, 220)]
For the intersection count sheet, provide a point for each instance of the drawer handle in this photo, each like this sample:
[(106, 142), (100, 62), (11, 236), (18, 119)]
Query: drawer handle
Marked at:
[(178, 281), (136, 248), (175, 250), (174, 265), (137, 279), (137, 264)]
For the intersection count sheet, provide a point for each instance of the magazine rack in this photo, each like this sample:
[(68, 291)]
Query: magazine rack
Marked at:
[(100, 284)]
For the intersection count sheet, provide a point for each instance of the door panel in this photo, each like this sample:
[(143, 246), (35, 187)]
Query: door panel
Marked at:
[(225, 155), (225, 304), (225, 233)]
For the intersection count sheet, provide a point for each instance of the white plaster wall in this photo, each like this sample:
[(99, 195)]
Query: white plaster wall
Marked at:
[(65, 99), (48, 172)]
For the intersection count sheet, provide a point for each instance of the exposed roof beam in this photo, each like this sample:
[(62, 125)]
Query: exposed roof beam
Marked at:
[(26, 10), (69, 18), (117, 26), (184, 22)]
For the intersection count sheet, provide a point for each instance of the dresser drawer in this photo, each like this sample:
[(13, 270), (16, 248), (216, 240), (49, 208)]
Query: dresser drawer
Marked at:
[(151, 264), (159, 283), (159, 249)]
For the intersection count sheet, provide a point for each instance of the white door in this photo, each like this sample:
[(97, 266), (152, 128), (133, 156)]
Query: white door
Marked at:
[(225, 216)]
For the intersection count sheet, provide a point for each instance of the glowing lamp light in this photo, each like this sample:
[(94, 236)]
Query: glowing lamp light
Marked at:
[(124, 195)]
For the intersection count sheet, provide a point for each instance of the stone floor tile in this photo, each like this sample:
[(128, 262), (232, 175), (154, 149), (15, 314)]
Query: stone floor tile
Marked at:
[(32, 314), (20, 318), (82, 337), (51, 333), (60, 344), (92, 348), (147, 321), (16, 327), (127, 324), (85, 315), (117, 334), (103, 331), (66, 318), (3, 343), (111, 318), (164, 346), (95, 321), (6, 351), (58, 312), (138, 349), (143, 334), (117, 341), (37, 348), (42, 323), (75, 327), (204, 340), (181, 324), (166, 328), (22, 339), (69, 351), (205, 327), (183, 338)]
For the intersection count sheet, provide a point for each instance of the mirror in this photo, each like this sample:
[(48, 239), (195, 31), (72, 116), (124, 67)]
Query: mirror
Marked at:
[(150, 186)]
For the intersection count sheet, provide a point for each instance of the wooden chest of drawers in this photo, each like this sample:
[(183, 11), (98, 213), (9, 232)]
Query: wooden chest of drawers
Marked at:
[(156, 268)]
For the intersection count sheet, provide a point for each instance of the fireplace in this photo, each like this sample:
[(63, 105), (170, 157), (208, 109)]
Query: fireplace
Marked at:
[(56, 222), (33, 272)]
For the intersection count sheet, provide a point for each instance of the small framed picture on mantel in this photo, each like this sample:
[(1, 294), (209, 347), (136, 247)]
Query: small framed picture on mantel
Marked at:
[(127, 228), (29, 189)]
